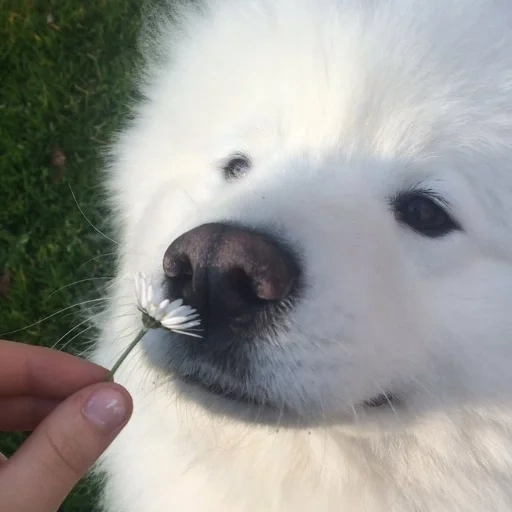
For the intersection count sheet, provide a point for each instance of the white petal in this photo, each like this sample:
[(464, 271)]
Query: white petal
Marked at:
[(193, 317), (163, 305), (188, 325), (149, 293), (182, 310), (188, 333), (174, 304), (174, 321), (157, 295), (143, 302)]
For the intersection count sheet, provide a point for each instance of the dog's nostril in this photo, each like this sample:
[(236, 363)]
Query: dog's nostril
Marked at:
[(244, 285), (273, 289), (177, 266)]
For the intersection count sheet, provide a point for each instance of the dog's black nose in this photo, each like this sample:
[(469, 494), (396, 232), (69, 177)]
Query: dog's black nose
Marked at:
[(228, 273)]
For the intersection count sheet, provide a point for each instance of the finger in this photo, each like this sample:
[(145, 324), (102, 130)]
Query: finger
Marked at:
[(28, 370), (64, 446), (24, 413)]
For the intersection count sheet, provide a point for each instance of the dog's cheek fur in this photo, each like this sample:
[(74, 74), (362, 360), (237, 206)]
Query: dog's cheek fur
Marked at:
[(384, 308)]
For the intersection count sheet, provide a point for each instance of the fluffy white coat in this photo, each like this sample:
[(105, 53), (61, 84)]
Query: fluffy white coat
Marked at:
[(341, 104)]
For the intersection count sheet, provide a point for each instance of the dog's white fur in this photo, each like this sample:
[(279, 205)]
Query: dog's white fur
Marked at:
[(341, 104)]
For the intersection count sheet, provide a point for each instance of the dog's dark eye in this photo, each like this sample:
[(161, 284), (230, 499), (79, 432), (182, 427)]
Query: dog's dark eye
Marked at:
[(236, 167), (421, 213)]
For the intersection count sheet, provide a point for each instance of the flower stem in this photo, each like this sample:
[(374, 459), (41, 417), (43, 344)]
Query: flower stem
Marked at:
[(125, 354)]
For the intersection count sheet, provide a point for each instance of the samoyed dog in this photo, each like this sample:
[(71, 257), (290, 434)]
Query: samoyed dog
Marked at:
[(329, 184)]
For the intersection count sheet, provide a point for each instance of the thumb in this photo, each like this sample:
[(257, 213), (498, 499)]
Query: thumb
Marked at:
[(65, 445)]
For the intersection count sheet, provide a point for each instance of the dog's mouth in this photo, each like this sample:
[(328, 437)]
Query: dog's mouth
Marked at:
[(381, 400), (206, 378), (231, 395), (261, 402)]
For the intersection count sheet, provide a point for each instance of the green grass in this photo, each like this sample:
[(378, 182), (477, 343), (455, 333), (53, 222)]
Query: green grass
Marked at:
[(63, 84)]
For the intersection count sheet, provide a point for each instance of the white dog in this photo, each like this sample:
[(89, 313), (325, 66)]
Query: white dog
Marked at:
[(329, 183)]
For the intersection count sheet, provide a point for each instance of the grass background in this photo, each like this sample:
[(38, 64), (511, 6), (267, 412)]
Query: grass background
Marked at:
[(64, 87)]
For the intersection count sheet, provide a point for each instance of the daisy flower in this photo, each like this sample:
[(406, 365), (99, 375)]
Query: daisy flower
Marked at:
[(157, 313)]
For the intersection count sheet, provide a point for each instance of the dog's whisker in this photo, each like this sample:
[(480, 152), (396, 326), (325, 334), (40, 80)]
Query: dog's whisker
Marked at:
[(87, 219), (354, 412), (388, 400), (418, 383), (97, 258), (67, 308), (87, 320), (82, 332), (89, 279)]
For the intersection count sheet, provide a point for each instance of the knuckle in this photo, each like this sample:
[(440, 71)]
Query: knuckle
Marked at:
[(68, 459)]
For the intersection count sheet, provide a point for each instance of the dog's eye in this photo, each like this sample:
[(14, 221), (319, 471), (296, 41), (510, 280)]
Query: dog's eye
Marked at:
[(236, 167), (421, 213)]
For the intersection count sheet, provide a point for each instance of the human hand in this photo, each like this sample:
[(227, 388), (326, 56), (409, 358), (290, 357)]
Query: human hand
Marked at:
[(73, 412)]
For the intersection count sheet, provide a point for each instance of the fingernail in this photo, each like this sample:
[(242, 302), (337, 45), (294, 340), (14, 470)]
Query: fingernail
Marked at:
[(107, 409)]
